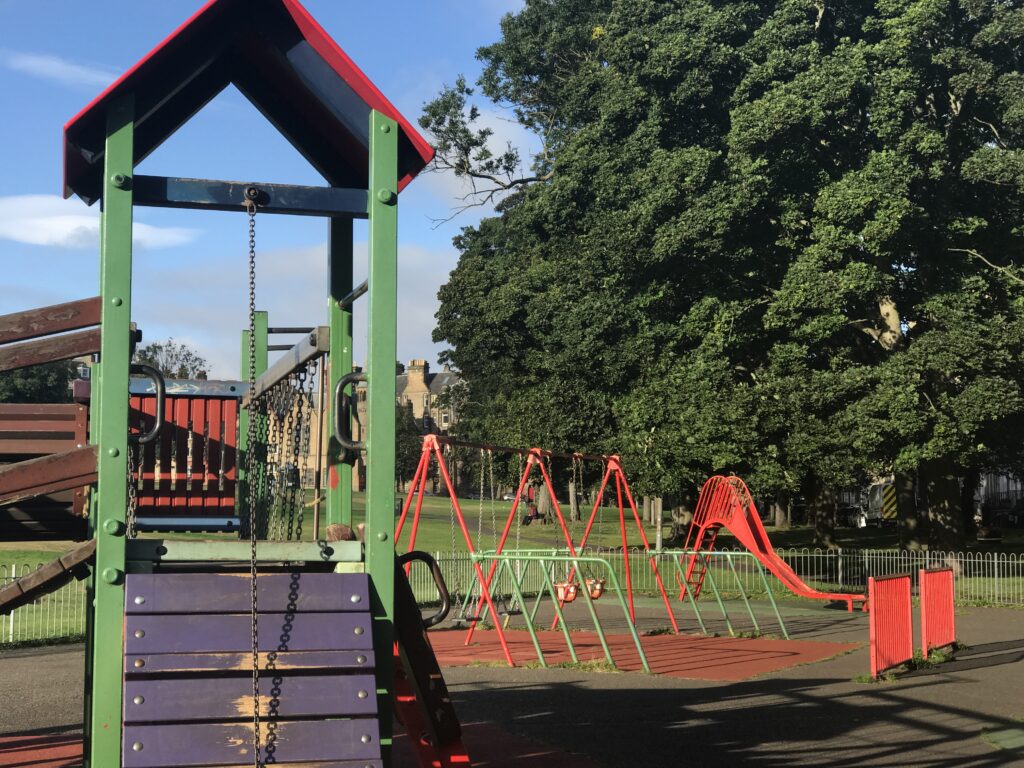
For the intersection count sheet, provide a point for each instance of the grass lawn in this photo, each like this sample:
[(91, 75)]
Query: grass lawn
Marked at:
[(485, 522)]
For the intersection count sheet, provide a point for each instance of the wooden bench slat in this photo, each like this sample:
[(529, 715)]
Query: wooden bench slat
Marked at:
[(56, 472), (230, 744), (221, 699), (44, 321), (46, 578), (66, 347), (224, 663), (297, 591), (208, 633)]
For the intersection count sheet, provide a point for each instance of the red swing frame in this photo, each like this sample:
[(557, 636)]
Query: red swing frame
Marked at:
[(432, 448)]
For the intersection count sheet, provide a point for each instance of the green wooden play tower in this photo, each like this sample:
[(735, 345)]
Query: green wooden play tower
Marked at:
[(186, 632)]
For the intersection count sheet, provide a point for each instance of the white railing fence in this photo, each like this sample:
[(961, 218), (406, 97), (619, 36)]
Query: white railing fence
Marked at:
[(982, 578), (58, 615)]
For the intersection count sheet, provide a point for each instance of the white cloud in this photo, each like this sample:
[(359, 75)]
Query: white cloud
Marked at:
[(49, 220), (178, 300), (58, 70)]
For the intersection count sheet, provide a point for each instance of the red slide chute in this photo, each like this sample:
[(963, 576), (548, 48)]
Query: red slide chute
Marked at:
[(726, 502)]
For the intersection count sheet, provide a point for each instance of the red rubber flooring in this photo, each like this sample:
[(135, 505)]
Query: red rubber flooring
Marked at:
[(688, 656)]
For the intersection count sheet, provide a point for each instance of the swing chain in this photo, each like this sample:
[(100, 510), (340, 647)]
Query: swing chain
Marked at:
[(133, 498), (251, 195)]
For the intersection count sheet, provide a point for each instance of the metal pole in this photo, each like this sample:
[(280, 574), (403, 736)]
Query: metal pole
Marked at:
[(112, 431), (339, 318)]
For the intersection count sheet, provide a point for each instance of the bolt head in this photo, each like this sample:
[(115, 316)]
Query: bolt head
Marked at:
[(385, 195), (385, 128), (365, 738), (356, 598), (140, 600), (113, 527), (382, 536), (140, 633), (119, 180), (111, 575), (113, 452), (139, 700), (139, 663), (117, 301), (358, 631), (360, 659), (362, 694), (137, 746)]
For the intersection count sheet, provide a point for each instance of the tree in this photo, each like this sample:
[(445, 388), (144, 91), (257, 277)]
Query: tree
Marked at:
[(408, 444), (48, 383), (173, 359), (774, 238)]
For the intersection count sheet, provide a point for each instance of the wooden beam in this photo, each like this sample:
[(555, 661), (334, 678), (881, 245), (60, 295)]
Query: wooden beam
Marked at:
[(47, 474), (47, 578), (66, 347), (45, 321), (314, 345)]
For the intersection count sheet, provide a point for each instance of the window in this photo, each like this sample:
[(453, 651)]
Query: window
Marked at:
[(444, 419), (426, 400)]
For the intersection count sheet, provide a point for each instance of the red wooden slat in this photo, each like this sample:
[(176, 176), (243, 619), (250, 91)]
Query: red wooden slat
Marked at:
[(179, 499), (195, 491), (890, 626), (211, 492), (229, 457), (938, 616)]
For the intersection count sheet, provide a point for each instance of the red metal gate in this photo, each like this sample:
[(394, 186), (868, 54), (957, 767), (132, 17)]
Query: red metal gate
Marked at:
[(938, 623), (890, 625)]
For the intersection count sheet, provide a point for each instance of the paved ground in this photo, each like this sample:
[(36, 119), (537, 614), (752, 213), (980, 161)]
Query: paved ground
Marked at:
[(808, 715)]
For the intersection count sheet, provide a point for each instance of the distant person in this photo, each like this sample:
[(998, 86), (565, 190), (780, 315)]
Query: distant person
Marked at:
[(531, 514)]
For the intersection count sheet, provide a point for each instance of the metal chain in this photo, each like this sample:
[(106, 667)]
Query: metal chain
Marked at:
[(494, 517), (133, 498), (480, 511), (250, 472)]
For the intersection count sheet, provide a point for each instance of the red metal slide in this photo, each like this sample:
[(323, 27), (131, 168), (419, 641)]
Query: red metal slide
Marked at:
[(726, 502)]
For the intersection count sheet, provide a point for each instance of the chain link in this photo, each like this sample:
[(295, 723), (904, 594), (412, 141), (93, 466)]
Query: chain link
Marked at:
[(133, 497), (250, 471)]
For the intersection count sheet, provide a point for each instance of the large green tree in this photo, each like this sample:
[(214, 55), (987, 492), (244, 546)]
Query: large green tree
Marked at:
[(777, 238)]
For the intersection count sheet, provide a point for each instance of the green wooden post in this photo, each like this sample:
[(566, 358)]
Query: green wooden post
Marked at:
[(112, 431), (380, 401), (262, 323), (339, 259)]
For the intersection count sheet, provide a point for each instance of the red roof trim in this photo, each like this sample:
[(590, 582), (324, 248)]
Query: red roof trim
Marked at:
[(340, 62), (318, 39)]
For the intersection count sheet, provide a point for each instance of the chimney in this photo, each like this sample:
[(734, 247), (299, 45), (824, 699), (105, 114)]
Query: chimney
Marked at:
[(418, 371)]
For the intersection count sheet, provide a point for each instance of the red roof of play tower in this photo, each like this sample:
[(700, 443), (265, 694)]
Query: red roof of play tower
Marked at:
[(275, 53)]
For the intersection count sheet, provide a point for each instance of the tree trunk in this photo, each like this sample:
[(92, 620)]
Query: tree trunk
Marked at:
[(912, 532), (780, 510), (945, 518), (823, 513), (972, 478), (543, 500), (574, 503)]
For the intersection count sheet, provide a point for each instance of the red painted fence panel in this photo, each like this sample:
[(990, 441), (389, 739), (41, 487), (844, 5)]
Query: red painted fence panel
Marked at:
[(938, 623), (890, 624)]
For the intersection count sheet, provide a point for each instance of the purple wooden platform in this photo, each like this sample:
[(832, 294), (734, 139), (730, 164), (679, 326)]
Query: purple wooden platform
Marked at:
[(229, 744), (213, 698), (298, 591), (207, 633), (160, 663)]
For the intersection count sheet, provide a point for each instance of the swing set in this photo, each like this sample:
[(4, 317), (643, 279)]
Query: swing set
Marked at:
[(500, 570)]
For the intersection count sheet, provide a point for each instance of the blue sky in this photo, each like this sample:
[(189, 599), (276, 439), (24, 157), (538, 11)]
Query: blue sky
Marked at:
[(189, 280)]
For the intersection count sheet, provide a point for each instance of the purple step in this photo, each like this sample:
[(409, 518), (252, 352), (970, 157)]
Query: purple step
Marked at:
[(323, 742), (207, 633), (161, 663), (219, 699), (296, 592)]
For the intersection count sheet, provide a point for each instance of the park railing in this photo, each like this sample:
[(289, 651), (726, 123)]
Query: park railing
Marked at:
[(57, 616), (981, 578)]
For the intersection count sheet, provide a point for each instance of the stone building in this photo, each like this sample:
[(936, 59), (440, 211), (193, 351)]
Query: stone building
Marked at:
[(426, 392)]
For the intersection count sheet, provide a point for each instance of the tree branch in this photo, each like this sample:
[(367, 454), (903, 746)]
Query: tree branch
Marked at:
[(1005, 270)]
